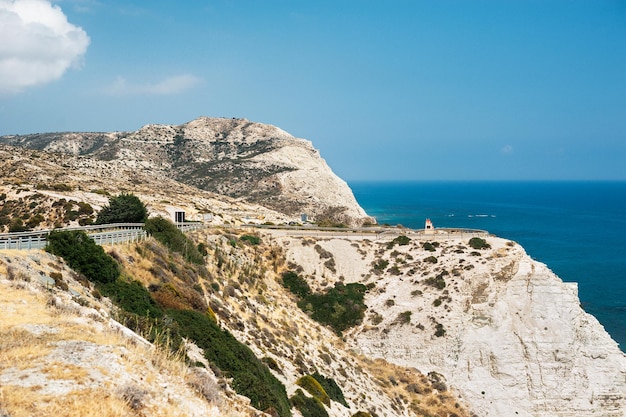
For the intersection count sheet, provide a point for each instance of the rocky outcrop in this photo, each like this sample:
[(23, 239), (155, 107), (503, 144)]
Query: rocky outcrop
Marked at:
[(252, 162), (502, 328)]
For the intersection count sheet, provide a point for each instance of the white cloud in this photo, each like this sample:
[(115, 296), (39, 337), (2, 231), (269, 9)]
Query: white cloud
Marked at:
[(168, 86), (507, 150), (37, 44)]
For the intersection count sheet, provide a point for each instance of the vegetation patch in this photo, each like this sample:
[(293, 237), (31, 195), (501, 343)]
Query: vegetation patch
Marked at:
[(296, 284), (132, 296), (401, 240), (250, 239), (438, 282), (313, 387), (332, 389), (83, 255), (308, 406), (430, 247), (340, 307), (380, 265), (430, 260), (124, 208), (478, 243), (250, 376), (169, 235), (403, 318)]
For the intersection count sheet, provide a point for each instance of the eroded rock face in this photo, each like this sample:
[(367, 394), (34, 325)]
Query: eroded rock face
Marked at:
[(502, 329), (253, 162)]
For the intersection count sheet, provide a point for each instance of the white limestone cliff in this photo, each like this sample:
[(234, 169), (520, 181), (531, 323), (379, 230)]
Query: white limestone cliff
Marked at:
[(516, 343)]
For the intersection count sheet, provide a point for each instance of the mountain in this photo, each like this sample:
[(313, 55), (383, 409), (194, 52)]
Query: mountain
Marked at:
[(252, 162)]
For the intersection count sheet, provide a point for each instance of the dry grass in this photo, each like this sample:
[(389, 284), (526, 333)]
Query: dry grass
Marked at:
[(26, 402), (414, 390), (37, 356)]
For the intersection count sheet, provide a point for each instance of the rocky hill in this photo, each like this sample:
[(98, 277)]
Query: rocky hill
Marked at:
[(252, 162)]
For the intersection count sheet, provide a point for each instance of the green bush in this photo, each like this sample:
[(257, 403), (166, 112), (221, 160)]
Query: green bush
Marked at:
[(313, 387), (82, 254), (131, 296), (404, 317), (431, 259), (124, 208), (401, 240), (251, 239), (17, 225), (340, 307), (296, 284), (169, 235), (429, 247), (381, 264), (438, 282), (439, 330), (332, 389), (251, 377), (478, 243), (309, 407)]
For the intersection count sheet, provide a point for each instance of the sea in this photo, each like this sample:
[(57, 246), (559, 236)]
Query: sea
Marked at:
[(576, 228)]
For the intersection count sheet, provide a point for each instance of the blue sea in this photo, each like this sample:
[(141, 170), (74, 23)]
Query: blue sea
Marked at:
[(577, 228)]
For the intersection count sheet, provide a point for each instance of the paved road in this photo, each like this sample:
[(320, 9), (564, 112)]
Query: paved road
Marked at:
[(131, 232), (371, 233)]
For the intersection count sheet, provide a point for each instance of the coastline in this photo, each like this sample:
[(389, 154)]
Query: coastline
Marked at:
[(574, 227)]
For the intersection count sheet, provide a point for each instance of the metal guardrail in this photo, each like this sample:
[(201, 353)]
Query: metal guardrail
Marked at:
[(105, 234)]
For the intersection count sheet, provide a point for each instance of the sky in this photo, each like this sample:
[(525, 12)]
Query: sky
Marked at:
[(386, 90)]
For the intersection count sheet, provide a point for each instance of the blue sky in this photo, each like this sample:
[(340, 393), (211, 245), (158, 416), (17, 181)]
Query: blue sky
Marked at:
[(393, 90)]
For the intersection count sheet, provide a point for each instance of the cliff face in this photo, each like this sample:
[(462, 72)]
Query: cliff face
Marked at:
[(502, 328), (252, 162)]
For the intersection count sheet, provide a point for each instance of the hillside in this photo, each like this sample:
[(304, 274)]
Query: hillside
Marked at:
[(251, 162), (50, 305), (244, 321)]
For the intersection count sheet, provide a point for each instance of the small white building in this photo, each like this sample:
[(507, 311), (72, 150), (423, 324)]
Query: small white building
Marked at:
[(429, 229), (177, 214)]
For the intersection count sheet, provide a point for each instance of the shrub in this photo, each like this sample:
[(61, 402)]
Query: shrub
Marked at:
[(124, 208), (340, 307), (17, 225), (82, 254), (251, 239), (169, 235), (429, 247), (430, 259), (478, 243), (380, 265), (85, 208), (404, 317), (332, 389), (313, 387), (251, 377), (438, 281), (296, 284), (35, 221), (401, 240), (309, 407), (131, 296)]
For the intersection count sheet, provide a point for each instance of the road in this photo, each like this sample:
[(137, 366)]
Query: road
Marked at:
[(107, 234)]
